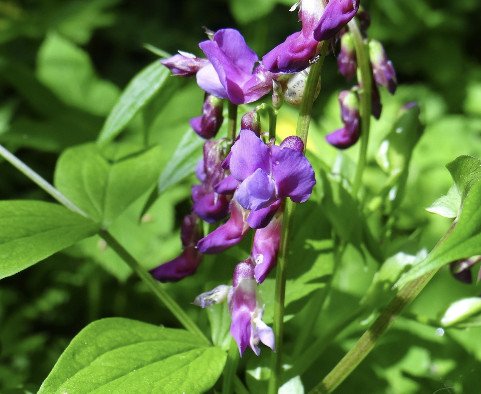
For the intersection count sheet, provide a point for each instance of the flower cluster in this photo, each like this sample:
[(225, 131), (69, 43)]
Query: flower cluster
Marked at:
[(383, 74), (248, 179)]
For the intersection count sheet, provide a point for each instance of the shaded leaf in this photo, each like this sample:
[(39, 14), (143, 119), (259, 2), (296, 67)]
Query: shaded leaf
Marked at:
[(34, 230)]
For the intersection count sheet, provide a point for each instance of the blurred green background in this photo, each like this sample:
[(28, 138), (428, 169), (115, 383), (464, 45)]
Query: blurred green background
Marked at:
[(63, 64)]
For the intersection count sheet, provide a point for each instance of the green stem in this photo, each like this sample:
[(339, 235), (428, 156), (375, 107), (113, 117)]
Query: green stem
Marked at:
[(272, 122), (161, 294), (231, 121), (365, 83), (230, 368), (368, 340), (302, 131), (39, 181), (154, 286)]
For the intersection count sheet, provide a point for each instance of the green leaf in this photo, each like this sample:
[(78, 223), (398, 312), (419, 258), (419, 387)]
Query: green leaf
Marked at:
[(463, 240), (120, 355), (34, 230), (101, 188), (140, 90), (67, 70), (246, 11)]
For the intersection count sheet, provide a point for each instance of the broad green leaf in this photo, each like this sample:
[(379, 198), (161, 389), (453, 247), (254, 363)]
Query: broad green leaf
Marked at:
[(126, 356), (67, 70), (246, 11), (140, 90), (463, 240), (34, 230), (101, 188)]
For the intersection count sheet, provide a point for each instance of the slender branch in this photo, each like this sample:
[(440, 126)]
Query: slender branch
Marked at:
[(161, 294), (151, 283), (302, 131), (231, 121), (39, 181), (365, 83), (368, 340), (272, 122), (230, 368)]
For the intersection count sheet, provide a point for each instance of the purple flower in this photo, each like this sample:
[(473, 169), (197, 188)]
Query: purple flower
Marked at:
[(209, 204), (247, 326), (184, 64), (382, 67), (268, 174), (233, 73), (335, 16), (349, 134), (208, 124), (346, 60), (186, 264), (226, 235), (297, 51), (251, 121), (265, 247)]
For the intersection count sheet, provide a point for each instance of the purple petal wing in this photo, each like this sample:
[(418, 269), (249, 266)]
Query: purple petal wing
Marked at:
[(180, 267), (247, 155), (256, 191), (265, 248), (227, 185), (262, 217), (292, 173), (208, 80), (336, 15)]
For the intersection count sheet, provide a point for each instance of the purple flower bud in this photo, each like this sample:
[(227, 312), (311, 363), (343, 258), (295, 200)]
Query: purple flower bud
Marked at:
[(247, 327), (233, 73), (293, 142), (335, 16), (226, 235), (461, 269), (214, 296), (186, 264), (184, 64), (208, 203), (251, 121), (208, 124), (265, 248), (346, 60), (348, 135), (376, 105), (277, 94), (383, 70)]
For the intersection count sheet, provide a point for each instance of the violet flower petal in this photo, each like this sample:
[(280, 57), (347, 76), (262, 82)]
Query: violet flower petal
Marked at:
[(257, 191), (184, 265), (228, 185), (208, 80), (335, 16), (292, 173), (247, 155), (262, 217), (265, 248), (226, 235), (210, 206)]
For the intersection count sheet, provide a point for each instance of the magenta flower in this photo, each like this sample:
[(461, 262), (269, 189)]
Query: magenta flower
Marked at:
[(346, 60), (349, 134), (208, 124), (184, 64), (247, 327), (208, 204), (232, 73), (186, 264), (268, 174)]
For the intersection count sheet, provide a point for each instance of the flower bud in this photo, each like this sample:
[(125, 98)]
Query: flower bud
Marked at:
[(251, 121), (277, 94), (265, 247), (346, 60), (348, 135), (208, 124), (296, 87), (376, 105), (383, 69), (186, 264), (184, 64), (293, 142), (461, 269)]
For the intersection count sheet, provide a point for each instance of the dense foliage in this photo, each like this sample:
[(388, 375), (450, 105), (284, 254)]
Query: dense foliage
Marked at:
[(86, 103)]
